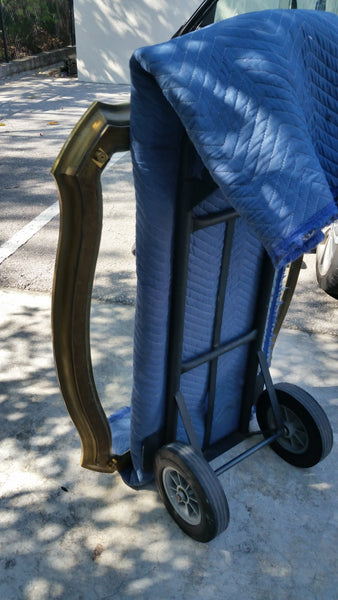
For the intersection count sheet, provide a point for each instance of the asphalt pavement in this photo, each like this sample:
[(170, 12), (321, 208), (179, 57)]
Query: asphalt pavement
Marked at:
[(72, 534)]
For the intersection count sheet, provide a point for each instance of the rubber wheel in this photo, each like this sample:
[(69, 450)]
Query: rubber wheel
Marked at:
[(327, 261), (308, 435), (191, 491)]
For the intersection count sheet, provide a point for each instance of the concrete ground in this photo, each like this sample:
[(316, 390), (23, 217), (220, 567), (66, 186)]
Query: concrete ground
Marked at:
[(71, 534)]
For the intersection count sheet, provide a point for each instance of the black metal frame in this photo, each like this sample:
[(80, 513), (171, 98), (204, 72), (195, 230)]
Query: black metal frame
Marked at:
[(185, 226)]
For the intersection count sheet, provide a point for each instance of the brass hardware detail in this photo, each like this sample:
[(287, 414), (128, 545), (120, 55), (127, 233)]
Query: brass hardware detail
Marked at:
[(112, 464), (100, 157)]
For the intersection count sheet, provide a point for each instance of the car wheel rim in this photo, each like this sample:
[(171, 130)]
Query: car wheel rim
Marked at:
[(326, 251), (181, 496)]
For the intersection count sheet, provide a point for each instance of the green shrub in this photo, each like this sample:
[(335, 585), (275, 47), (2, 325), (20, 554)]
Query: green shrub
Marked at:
[(33, 26)]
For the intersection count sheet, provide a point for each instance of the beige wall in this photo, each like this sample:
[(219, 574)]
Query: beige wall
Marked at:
[(108, 31)]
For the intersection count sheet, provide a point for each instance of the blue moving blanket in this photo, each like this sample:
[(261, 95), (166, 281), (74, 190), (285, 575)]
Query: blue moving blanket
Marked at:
[(258, 97)]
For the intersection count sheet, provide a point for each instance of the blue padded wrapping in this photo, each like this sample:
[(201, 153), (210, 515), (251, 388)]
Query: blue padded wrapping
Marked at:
[(257, 95)]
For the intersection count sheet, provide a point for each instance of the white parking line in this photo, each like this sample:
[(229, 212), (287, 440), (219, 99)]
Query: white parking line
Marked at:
[(26, 233), (22, 236)]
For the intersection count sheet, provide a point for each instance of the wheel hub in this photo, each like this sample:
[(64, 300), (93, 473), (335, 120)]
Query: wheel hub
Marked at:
[(295, 438), (181, 496), (289, 430)]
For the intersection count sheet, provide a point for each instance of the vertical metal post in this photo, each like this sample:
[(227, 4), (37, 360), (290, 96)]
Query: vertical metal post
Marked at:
[(183, 229), (223, 277), (261, 311), (3, 28)]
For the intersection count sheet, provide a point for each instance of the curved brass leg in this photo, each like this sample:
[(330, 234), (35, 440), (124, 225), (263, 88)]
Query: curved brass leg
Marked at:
[(103, 130)]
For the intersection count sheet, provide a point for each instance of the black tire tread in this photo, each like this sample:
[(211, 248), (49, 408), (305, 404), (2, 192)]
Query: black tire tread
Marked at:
[(202, 470), (187, 458), (315, 410), (315, 417)]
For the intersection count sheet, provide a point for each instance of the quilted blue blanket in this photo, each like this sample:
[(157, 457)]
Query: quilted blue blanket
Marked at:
[(258, 97)]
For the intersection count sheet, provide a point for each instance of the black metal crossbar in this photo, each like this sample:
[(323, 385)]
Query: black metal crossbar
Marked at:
[(188, 365), (214, 219), (231, 463)]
